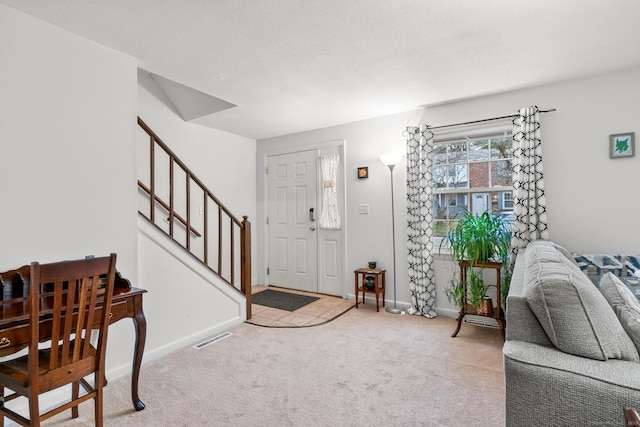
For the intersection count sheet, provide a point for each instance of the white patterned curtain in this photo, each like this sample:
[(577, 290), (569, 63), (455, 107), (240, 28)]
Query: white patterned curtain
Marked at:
[(329, 214), (529, 202), (420, 221)]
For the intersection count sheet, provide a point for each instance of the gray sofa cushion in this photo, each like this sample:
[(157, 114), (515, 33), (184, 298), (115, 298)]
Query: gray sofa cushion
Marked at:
[(523, 324), (574, 314), (624, 303)]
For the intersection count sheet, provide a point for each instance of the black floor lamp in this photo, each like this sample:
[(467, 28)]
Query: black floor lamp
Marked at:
[(390, 160)]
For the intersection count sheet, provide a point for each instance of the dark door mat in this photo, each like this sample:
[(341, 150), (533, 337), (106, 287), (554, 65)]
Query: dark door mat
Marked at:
[(281, 300)]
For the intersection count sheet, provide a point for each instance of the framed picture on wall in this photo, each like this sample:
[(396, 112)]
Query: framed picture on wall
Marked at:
[(363, 173), (622, 145)]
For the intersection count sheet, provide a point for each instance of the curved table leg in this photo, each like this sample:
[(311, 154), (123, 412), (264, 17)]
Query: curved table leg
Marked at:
[(460, 316), (140, 324)]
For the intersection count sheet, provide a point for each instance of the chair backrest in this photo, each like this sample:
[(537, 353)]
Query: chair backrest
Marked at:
[(76, 296)]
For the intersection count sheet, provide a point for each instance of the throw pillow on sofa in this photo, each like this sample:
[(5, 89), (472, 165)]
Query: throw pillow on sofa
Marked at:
[(574, 314), (564, 251), (624, 303)]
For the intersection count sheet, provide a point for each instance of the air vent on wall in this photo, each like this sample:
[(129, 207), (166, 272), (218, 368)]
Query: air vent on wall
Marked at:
[(481, 321), (212, 340)]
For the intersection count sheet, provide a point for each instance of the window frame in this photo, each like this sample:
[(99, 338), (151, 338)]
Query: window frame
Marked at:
[(495, 193)]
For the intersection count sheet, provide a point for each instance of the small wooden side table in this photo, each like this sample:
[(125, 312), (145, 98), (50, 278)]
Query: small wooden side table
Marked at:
[(378, 284)]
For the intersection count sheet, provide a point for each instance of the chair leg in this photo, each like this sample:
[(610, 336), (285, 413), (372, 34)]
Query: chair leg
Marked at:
[(34, 410), (75, 392), (98, 407)]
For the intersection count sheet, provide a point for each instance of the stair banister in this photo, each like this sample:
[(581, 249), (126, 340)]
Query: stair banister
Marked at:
[(244, 226)]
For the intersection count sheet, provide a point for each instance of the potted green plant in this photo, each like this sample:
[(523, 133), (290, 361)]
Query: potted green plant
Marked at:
[(476, 290), (476, 239)]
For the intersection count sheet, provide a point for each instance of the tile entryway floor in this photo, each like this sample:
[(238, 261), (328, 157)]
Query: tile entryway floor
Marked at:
[(323, 310)]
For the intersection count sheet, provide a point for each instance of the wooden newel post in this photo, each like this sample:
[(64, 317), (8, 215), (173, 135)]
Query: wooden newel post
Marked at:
[(245, 262)]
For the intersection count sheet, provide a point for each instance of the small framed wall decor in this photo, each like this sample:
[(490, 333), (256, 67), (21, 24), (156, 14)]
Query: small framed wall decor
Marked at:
[(622, 145), (363, 173)]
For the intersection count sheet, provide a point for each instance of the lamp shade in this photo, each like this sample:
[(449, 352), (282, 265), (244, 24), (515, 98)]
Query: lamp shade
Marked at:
[(391, 159)]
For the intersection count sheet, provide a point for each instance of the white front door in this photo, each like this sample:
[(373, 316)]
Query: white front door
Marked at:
[(479, 203), (292, 229)]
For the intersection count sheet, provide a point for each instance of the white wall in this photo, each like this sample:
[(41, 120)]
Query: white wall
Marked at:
[(66, 137), (186, 302), (67, 181), (592, 200)]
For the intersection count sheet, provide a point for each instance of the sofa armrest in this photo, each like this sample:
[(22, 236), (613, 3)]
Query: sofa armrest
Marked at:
[(545, 386)]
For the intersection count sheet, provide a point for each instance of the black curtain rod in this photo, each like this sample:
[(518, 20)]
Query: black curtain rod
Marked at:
[(486, 120)]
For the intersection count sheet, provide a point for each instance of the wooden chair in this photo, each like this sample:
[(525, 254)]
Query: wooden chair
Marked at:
[(631, 417), (69, 299)]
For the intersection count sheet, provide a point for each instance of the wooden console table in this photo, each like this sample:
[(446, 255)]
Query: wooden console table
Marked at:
[(378, 284), (498, 312), (15, 331)]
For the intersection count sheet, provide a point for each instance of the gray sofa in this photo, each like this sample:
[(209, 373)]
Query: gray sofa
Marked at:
[(571, 356)]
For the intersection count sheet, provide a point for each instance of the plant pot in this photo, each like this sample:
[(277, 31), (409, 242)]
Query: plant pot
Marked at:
[(486, 309)]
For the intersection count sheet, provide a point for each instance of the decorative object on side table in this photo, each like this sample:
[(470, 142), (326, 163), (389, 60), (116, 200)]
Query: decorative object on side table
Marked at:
[(486, 309), (370, 283)]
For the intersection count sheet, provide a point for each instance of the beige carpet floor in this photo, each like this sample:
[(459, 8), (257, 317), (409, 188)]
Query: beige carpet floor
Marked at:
[(361, 369), (321, 311)]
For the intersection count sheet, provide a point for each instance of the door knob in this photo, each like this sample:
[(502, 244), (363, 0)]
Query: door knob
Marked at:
[(312, 228)]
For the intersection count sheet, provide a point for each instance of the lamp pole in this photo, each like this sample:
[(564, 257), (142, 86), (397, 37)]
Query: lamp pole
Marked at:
[(391, 160)]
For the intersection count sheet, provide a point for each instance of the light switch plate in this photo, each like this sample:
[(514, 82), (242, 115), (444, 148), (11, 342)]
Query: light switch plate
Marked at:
[(364, 209)]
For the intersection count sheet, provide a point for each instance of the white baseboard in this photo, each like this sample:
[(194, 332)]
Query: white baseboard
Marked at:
[(189, 340), (402, 305)]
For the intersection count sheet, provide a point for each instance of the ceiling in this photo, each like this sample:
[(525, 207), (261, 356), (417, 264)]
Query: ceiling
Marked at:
[(295, 65)]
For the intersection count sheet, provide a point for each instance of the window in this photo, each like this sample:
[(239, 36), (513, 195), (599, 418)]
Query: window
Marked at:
[(507, 200), (473, 174)]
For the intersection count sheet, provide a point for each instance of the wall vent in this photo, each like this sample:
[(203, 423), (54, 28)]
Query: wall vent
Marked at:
[(213, 340), (481, 321)]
